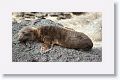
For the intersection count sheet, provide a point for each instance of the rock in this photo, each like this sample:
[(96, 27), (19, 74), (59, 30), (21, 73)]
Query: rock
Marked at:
[(64, 16), (41, 15), (78, 13), (18, 14), (54, 14), (46, 22), (60, 15)]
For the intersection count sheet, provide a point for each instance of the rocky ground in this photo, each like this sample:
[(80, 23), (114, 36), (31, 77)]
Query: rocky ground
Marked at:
[(30, 51)]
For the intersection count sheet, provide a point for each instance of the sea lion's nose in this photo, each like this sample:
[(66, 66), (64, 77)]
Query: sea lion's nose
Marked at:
[(20, 38)]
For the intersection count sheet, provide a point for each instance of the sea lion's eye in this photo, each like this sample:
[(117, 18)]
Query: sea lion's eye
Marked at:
[(27, 34), (23, 32)]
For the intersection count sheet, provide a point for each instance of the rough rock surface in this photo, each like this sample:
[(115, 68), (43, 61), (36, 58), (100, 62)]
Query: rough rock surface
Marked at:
[(30, 51)]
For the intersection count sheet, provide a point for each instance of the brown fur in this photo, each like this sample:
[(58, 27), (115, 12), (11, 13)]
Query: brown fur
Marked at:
[(50, 35)]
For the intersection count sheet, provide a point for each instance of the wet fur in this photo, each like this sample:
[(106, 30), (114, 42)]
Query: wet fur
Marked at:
[(51, 35)]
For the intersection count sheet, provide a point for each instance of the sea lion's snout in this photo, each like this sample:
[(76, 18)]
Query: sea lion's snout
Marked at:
[(21, 37)]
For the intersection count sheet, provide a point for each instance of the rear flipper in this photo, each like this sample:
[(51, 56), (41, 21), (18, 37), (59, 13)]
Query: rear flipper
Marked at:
[(88, 48)]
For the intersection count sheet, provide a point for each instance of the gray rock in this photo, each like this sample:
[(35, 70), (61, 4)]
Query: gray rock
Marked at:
[(46, 22)]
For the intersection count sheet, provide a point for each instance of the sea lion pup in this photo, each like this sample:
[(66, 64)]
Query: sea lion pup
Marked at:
[(51, 35)]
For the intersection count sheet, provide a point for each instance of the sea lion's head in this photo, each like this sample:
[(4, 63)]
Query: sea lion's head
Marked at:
[(26, 33)]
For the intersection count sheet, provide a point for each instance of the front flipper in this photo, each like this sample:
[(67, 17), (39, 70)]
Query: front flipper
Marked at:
[(45, 48), (47, 45)]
